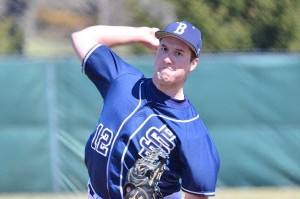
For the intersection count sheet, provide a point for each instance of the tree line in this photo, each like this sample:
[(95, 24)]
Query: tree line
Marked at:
[(226, 25), (244, 25)]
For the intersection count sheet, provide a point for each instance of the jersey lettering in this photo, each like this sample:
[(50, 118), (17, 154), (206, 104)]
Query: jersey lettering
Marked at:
[(180, 28), (102, 140), (154, 138)]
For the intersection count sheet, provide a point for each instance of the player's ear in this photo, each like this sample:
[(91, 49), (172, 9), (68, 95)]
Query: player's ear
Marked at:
[(193, 64)]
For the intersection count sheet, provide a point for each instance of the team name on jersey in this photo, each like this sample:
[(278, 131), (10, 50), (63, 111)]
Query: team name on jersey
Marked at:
[(154, 137)]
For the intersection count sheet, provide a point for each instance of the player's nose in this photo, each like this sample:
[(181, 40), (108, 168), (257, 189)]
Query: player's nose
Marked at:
[(167, 60)]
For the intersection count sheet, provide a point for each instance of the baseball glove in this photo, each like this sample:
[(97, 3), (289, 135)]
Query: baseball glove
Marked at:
[(144, 176)]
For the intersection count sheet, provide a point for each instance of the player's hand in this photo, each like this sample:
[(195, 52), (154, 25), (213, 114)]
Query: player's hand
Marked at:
[(149, 40)]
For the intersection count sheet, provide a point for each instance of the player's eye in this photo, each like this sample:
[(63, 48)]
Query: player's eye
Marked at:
[(178, 53), (163, 48)]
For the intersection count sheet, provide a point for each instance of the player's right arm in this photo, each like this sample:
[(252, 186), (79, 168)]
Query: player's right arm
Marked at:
[(111, 36)]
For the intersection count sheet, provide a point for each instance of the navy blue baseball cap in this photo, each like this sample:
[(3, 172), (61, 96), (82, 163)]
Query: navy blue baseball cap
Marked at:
[(184, 31)]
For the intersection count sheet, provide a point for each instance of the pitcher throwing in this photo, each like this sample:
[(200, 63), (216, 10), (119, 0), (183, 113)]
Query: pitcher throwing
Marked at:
[(142, 115)]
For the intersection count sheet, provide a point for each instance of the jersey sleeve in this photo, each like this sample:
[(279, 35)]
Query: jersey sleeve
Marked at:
[(200, 162), (103, 66)]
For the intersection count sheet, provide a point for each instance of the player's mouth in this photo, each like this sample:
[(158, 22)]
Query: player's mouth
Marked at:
[(166, 67), (163, 75)]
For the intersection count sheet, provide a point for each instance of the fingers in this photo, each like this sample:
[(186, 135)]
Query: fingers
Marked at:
[(154, 29)]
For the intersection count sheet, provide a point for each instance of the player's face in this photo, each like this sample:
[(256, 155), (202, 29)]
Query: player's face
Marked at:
[(173, 62)]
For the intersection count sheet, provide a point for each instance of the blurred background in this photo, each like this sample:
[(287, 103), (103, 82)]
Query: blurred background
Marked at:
[(43, 27), (246, 89)]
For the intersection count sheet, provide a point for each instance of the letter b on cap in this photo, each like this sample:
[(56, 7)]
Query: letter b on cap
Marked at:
[(180, 28)]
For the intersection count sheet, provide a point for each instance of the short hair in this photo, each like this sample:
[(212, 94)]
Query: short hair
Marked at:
[(193, 56)]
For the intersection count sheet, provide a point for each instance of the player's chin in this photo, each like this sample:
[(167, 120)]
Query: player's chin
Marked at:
[(163, 77)]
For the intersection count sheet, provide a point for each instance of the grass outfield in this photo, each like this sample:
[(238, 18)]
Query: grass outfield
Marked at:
[(246, 193)]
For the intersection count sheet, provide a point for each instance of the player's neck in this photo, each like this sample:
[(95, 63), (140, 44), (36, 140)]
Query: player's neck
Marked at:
[(170, 90)]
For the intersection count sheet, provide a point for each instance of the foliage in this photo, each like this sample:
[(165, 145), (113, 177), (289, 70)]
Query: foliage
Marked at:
[(11, 34), (11, 37), (243, 24), (226, 25), (140, 16)]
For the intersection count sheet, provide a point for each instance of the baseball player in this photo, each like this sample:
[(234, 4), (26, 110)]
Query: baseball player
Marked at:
[(143, 115)]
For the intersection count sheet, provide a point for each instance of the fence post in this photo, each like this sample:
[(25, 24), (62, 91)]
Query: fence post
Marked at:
[(53, 126)]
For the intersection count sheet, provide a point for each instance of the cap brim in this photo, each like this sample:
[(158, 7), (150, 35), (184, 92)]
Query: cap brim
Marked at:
[(160, 34)]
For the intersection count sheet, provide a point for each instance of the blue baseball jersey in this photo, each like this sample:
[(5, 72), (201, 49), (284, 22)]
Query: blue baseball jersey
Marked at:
[(137, 117)]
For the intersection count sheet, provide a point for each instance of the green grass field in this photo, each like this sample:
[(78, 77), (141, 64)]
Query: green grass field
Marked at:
[(245, 193)]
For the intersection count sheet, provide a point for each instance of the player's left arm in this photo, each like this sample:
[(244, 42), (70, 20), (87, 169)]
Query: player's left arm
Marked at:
[(192, 196)]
